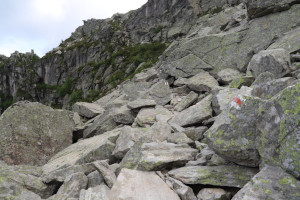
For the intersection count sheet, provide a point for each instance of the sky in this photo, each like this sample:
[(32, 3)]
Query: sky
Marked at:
[(41, 25)]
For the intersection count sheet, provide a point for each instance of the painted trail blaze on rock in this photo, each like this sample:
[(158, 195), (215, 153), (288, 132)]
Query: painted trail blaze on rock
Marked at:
[(237, 102)]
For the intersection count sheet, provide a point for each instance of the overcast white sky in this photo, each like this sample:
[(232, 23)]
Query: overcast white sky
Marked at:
[(42, 24)]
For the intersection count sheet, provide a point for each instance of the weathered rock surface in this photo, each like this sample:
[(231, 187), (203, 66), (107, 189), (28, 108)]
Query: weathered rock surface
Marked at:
[(195, 133), (231, 176), (269, 89), (94, 193), (233, 135), (140, 103), (88, 150), (213, 194), (71, 187), (179, 138), (88, 110), (227, 75), (23, 182), (270, 183), (276, 61), (157, 156), (32, 133), (186, 102), (221, 98), (202, 82), (195, 114), (128, 186), (278, 127), (107, 174), (183, 191)]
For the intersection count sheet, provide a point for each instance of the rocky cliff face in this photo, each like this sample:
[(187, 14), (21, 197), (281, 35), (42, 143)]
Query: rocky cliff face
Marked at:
[(214, 116)]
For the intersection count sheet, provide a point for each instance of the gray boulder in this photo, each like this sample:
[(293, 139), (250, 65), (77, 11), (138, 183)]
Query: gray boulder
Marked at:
[(179, 138), (22, 181), (136, 185), (276, 61), (123, 115), (278, 130), (194, 114), (270, 183), (183, 191), (88, 110), (233, 135), (146, 116), (94, 179), (195, 133), (157, 156), (202, 82), (213, 194), (71, 187), (261, 8), (141, 103), (88, 150), (269, 89), (108, 175), (263, 78), (228, 74), (32, 133), (101, 124), (94, 193), (242, 81), (231, 176), (160, 92), (186, 102), (221, 98)]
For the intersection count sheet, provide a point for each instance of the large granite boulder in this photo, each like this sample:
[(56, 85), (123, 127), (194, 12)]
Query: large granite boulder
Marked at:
[(88, 150), (156, 156), (233, 135), (194, 114), (278, 126), (231, 176), (270, 183), (32, 133), (276, 61), (136, 185)]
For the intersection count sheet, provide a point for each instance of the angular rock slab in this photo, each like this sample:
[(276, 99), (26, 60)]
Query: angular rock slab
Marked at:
[(194, 114), (95, 193), (32, 133), (233, 135), (160, 92), (270, 183), (140, 103), (279, 130), (187, 101), (183, 191), (228, 74), (261, 8), (221, 98), (276, 61), (17, 180), (88, 150), (225, 175), (157, 156), (202, 82), (213, 194), (137, 185), (71, 187), (88, 110)]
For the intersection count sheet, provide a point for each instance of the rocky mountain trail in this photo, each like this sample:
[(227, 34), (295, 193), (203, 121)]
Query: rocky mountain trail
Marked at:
[(216, 117)]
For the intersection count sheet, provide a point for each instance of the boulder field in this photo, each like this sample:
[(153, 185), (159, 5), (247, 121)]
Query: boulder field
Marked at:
[(216, 118)]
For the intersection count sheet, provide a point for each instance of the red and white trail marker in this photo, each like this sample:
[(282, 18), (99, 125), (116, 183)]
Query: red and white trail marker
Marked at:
[(237, 102)]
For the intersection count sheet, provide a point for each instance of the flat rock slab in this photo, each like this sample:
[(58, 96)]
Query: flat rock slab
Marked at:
[(137, 185), (194, 114), (140, 103), (88, 110), (31, 133), (270, 183), (88, 150), (157, 156), (225, 175)]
